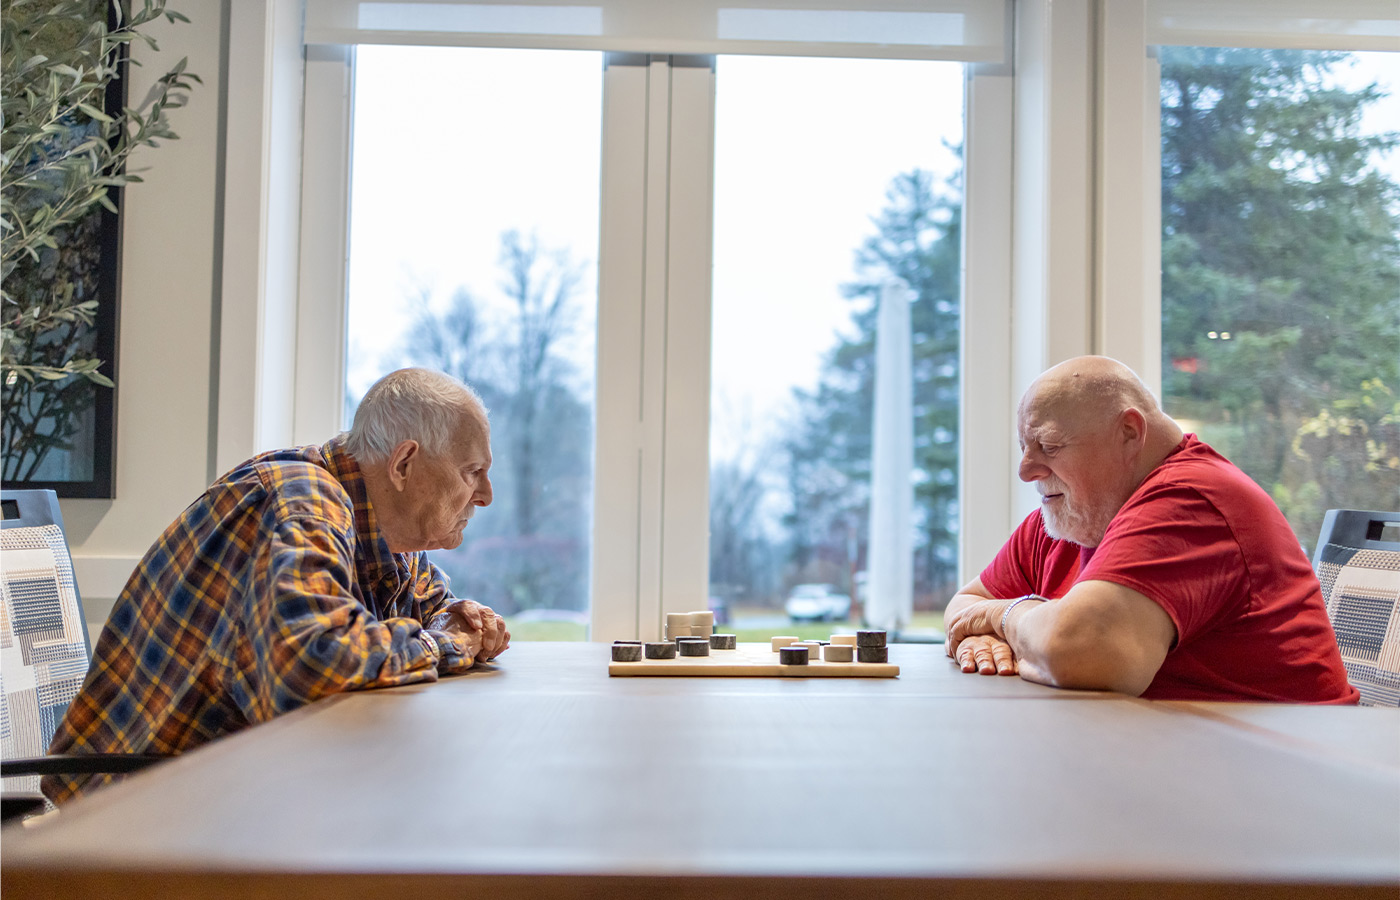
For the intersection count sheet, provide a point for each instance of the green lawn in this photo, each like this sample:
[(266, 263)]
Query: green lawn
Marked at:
[(546, 631)]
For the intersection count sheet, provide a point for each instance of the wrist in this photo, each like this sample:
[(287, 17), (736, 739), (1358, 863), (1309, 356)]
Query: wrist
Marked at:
[(1006, 614), (431, 645)]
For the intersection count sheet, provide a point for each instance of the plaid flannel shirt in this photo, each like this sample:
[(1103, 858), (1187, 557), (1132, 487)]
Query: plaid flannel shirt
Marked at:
[(271, 590)]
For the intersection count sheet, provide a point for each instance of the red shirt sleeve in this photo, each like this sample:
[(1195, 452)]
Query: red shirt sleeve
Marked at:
[(1174, 546)]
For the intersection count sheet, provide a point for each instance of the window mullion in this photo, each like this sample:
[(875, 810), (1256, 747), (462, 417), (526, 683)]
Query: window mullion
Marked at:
[(325, 231), (650, 548)]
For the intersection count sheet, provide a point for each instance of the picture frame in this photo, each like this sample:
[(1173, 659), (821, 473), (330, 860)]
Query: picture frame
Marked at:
[(61, 435)]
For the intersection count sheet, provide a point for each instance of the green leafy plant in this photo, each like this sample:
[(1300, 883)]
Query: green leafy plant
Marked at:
[(63, 152)]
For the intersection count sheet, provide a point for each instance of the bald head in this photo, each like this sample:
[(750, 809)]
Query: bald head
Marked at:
[(1090, 433), (1093, 388), (422, 405)]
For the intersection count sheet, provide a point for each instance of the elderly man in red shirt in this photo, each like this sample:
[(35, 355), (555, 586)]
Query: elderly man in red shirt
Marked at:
[(1153, 567)]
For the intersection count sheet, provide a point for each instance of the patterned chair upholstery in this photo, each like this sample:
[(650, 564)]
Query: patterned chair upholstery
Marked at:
[(44, 653), (44, 645), (1358, 563)]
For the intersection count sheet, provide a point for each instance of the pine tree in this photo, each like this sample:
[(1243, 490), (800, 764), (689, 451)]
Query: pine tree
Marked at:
[(1281, 278), (917, 241)]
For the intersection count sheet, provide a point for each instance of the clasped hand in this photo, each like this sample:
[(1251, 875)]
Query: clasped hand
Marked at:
[(973, 642), (484, 631)]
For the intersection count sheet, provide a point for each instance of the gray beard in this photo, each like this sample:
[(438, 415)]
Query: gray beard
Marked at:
[(1082, 527)]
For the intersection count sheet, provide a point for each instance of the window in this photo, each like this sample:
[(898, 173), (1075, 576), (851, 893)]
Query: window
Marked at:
[(837, 192), (648, 267), (1281, 269), (474, 236)]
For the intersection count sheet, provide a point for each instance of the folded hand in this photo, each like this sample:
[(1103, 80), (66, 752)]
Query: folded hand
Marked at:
[(986, 655), (485, 631)]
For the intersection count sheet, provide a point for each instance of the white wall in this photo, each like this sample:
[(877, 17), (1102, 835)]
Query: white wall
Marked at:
[(169, 302)]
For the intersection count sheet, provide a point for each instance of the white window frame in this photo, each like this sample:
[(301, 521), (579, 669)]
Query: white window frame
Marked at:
[(651, 476)]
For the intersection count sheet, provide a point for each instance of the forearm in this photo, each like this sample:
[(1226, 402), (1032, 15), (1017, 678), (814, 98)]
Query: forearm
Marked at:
[(1057, 644), (960, 602), (339, 650), (312, 637), (970, 593)]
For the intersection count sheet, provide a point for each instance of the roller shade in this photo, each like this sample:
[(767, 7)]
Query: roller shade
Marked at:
[(962, 30), (1315, 24)]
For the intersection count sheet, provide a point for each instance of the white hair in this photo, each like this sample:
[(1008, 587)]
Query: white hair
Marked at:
[(413, 404)]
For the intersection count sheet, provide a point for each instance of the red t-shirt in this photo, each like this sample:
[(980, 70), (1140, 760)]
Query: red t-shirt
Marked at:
[(1204, 542)]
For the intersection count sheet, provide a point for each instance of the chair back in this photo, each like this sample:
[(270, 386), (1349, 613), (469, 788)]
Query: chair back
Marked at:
[(44, 647), (1358, 563)]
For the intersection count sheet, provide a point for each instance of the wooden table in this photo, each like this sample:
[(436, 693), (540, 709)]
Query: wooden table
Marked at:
[(545, 778)]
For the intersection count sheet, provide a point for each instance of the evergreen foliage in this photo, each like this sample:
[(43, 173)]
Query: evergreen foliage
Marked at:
[(1281, 276), (917, 241)]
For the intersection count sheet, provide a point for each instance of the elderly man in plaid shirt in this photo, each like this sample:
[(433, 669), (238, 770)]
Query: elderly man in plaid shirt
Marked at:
[(299, 574)]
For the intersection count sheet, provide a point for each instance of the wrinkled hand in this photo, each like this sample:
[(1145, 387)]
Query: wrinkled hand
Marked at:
[(979, 618), (986, 655), (484, 631)]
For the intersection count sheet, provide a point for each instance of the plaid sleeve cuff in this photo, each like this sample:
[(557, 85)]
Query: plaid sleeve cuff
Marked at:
[(449, 654)]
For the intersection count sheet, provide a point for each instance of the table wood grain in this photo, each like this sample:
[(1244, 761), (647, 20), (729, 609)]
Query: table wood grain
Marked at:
[(544, 778)]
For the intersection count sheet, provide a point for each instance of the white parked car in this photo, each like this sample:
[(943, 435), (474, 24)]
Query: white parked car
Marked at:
[(817, 602)]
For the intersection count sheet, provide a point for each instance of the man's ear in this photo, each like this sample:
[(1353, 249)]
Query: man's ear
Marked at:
[(401, 463), (1132, 428)]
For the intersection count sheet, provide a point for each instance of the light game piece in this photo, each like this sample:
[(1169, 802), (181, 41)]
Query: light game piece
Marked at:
[(677, 625), (841, 653), (848, 639), (705, 617), (814, 649), (703, 631), (781, 641)]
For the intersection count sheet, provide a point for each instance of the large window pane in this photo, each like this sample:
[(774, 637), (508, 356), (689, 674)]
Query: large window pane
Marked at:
[(1280, 272), (474, 235), (837, 182)]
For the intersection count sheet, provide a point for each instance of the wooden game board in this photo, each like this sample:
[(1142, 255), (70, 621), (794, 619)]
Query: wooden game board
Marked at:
[(752, 661)]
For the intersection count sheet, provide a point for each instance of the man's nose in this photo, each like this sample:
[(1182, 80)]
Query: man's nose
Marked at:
[(1031, 469), (483, 492)]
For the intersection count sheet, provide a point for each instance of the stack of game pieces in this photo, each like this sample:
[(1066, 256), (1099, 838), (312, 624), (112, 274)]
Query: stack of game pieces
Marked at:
[(871, 647), (702, 624), (690, 624)]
